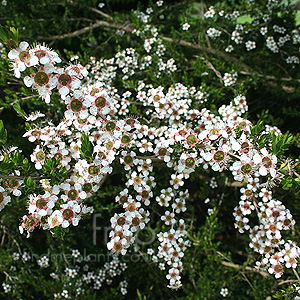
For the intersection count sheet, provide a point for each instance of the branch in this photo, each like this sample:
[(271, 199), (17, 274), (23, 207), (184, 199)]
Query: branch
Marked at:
[(19, 177), (232, 265), (101, 13), (268, 77), (211, 66), (129, 29), (83, 30)]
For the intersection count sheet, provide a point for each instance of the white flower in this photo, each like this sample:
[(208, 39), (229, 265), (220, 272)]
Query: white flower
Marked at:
[(250, 45), (186, 26), (224, 292)]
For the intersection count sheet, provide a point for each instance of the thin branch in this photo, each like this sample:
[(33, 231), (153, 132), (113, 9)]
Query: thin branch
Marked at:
[(211, 66), (83, 30), (235, 183), (19, 177), (287, 281), (69, 19), (296, 274), (268, 77), (247, 268), (101, 13)]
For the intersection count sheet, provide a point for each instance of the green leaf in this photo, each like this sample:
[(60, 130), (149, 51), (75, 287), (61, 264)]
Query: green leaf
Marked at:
[(15, 34), (281, 143), (20, 111), (9, 37), (258, 128), (87, 148), (29, 183), (4, 34), (3, 133)]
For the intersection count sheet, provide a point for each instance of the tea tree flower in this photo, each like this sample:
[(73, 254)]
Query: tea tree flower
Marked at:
[(224, 292), (22, 58), (186, 26)]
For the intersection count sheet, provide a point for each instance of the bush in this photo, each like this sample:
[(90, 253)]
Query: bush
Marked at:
[(158, 156)]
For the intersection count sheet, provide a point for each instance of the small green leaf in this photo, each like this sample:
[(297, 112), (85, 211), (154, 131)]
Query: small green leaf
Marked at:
[(3, 133), (20, 111)]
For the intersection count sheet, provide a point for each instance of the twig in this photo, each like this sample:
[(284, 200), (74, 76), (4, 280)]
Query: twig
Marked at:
[(286, 281), (268, 77), (101, 13), (296, 274), (83, 30), (20, 177), (210, 65), (235, 183), (235, 266)]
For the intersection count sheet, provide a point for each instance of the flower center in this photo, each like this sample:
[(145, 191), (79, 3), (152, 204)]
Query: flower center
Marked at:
[(29, 222), (137, 180), (121, 221), (94, 170), (145, 167), (41, 78), (118, 246), (242, 125), (278, 268), (76, 105), (128, 159), (267, 162), (54, 222), (40, 53), (82, 121), (110, 126), (248, 193), (64, 79), (136, 221), (36, 133), (245, 147), (125, 139), (156, 98), (162, 151), (40, 156), (109, 145), (190, 162), (131, 207), (145, 194), (41, 203), (191, 140), (130, 121), (246, 169), (68, 214), (72, 194), (87, 187), (100, 102), (123, 199), (94, 91), (119, 234), (24, 56), (219, 156)]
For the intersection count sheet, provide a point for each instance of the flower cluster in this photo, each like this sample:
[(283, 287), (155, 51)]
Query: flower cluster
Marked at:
[(253, 31), (47, 75), (75, 279)]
